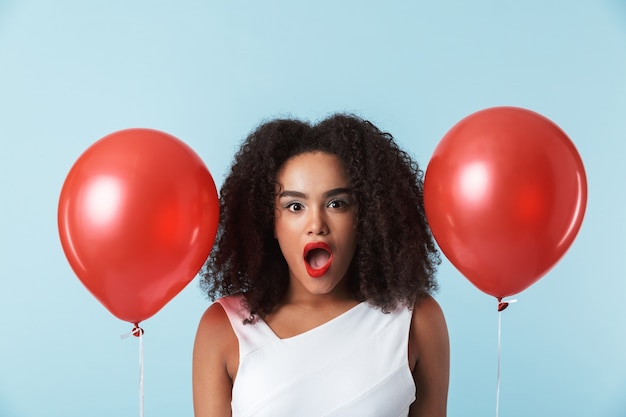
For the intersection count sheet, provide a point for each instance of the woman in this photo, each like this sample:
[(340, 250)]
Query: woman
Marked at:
[(325, 265)]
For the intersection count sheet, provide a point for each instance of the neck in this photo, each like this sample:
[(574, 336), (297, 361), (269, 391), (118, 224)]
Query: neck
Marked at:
[(302, 298)]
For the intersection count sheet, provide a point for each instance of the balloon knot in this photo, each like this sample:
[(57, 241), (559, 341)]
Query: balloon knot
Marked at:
[(137, 331), (502, 305)]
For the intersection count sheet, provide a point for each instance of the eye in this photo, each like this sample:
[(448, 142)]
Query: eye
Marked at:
[(294, 207), (337, 204)]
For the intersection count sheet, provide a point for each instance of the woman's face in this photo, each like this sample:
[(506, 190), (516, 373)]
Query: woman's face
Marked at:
[(315, 221)]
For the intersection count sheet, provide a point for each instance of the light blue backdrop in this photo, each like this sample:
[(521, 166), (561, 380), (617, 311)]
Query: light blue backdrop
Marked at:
[(207, 72)]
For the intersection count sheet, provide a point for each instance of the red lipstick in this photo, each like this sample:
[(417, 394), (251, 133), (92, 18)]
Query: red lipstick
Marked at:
[(317, 258)]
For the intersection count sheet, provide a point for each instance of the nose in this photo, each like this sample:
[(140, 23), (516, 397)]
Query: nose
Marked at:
[(317, 224)]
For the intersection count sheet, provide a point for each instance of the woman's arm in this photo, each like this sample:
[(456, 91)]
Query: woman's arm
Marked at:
[(429, 345), (215, 358)]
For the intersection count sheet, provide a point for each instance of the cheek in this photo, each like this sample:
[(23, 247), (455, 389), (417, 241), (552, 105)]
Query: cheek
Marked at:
[(282, 225), (286, 233)]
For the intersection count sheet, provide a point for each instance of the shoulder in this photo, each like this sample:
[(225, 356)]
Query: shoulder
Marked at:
[(216, 348), (224, 313), (429, 353), (215, 358), (215, 332), (428, 325), (426, 310)]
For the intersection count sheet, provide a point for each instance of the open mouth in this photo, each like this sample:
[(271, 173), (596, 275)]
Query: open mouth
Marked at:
[(317, 258)]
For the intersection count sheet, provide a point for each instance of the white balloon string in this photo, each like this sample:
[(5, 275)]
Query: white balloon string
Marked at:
[(138, 332), (498, 377), (140, 373), (501, 306)]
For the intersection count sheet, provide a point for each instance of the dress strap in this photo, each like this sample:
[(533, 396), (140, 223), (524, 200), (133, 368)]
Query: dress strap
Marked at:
[(251, 334)]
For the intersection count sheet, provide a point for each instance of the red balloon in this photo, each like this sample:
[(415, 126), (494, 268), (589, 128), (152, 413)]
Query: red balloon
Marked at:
[(505, 193), (137, 218)]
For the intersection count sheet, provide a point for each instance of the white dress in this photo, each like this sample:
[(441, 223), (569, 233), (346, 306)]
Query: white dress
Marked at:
[(354, 365)]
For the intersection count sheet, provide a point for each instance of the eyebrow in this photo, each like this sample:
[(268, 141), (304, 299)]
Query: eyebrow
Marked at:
[(330, 193)]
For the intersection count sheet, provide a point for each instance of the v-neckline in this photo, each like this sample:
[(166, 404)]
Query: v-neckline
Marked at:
[(313, 329)]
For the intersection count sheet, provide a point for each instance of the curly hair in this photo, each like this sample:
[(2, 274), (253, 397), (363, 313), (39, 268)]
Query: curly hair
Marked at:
[(395, 258)]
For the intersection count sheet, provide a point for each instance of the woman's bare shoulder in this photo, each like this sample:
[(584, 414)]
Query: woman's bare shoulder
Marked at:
[(429, 348), (427, 308), (428, 324), (215, 358), (214, 327)]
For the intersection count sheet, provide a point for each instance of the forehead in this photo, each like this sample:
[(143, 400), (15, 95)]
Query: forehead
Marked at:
[(312, 168)]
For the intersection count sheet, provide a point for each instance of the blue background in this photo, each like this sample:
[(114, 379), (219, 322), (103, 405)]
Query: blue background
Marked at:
[(208, 72)]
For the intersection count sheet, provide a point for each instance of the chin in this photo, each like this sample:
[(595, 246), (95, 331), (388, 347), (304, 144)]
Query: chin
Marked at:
[(321, 288)]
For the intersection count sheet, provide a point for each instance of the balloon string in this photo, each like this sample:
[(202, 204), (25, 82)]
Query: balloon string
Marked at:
[(140, 371), (501, 306), (499, 346), (138, 332)]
